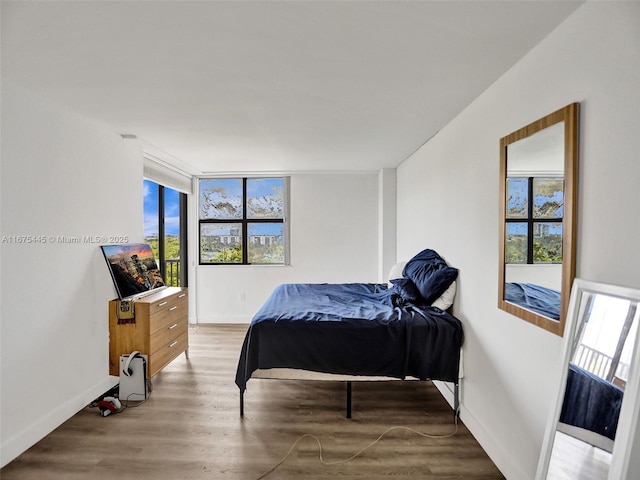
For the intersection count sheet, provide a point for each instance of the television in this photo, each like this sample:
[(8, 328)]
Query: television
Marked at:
[(133, 269)]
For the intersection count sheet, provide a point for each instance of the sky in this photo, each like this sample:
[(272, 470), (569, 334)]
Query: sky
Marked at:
[(518, 194), (256, 188), (232, 187), (171, 210)]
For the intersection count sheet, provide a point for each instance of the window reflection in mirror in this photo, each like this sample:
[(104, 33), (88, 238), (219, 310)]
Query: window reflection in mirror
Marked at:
[(535, 207), (605, 343), (538, 199)]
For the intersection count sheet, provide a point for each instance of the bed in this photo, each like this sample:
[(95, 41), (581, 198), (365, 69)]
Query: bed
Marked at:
[(537, 298), (591, 408), (358, 331)]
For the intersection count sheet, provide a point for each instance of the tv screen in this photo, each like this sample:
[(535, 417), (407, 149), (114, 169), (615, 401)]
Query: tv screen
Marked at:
[(133, 269)]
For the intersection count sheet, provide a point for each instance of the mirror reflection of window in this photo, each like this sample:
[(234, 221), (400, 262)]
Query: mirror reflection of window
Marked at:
[(517, 197), (548, 197), (605, 346), (535, 211)]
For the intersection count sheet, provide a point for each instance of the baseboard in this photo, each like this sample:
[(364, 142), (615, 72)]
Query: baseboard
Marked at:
[(446, 389), (498, 455), (55, 414), (237, 319)]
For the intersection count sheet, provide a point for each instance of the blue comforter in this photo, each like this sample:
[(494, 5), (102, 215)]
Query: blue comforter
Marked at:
[(591, 403), (355, 329), (534, 297)]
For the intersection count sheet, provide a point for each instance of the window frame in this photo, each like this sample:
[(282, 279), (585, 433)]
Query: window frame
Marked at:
[(531, 222), (245, 221), (162, 261)]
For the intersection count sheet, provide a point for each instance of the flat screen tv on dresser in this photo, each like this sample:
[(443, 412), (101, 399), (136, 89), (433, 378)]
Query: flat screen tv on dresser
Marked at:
[(133, 269)]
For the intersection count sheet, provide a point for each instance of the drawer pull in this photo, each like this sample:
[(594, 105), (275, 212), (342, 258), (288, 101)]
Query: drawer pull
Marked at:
[(182, 295), (173, 344), (173, 308), (162, 304), (173, 326)]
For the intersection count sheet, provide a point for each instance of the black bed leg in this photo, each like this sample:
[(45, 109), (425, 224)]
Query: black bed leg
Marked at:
[(241, 403), (456, 400), (348, 399)]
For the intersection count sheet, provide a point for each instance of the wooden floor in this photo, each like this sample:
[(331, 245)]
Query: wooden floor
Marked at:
[(573, 459), (190, 429)]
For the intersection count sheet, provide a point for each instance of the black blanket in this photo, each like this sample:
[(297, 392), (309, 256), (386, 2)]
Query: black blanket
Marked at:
[(354, 329)]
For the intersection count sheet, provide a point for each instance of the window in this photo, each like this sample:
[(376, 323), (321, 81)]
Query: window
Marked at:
[(242, 220), (535, 210), (165, 227), (606, 338)]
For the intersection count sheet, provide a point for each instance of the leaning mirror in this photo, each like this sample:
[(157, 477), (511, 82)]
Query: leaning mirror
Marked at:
[(588, 432), (538, 173)]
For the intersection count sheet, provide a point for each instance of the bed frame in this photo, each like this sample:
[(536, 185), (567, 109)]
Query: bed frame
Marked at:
[(293, 374)]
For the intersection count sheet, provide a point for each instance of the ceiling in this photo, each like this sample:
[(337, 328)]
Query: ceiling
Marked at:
[(240, 86)]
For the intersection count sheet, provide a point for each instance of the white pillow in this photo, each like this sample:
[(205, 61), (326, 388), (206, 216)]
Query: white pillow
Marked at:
[(396, 271), (446, 299), (443, 302)]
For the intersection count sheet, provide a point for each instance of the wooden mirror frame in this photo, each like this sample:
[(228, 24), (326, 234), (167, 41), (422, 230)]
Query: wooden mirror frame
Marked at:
[(568, 115)]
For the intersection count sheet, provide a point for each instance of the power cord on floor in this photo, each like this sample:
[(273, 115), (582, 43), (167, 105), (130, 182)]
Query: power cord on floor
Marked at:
[(358, 453), (125, 403), (119, 405)]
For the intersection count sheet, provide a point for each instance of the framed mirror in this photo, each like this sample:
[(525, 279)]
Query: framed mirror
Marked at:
[(538, 200), (590, 431)]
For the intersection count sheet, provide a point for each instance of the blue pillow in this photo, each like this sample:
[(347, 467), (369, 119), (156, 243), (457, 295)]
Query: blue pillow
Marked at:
[(430, 274), (406, 289)]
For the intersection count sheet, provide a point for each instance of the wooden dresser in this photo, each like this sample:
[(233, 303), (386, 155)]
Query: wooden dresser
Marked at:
[(159, 329)]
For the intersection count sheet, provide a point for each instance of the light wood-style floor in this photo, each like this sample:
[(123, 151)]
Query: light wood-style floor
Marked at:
[(190, 429), (573, 459)]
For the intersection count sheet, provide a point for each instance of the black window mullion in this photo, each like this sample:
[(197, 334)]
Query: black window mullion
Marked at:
[(530, 222), (183, 240), (161, 233), (245, 230)]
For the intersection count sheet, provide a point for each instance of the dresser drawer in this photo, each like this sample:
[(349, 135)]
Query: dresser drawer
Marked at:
[(166, 301), (168, 314), (162, 357), (167, 334)]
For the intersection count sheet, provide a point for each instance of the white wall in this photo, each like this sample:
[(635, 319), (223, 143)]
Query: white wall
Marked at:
[(62, 176), (387, 225), (511, 373), (549, 276), (334, 239)]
